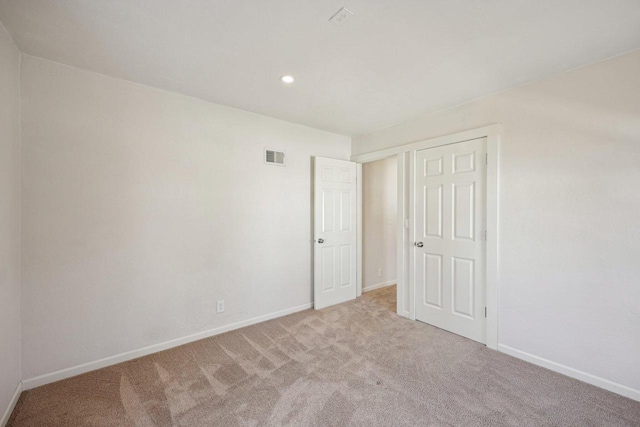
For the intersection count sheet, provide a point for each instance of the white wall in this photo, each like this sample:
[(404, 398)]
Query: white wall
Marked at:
[(141, 208), (379, 207), (9, 219), (569, 208)]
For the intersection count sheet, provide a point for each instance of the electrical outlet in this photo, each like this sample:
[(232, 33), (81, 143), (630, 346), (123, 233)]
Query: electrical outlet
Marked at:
[(379, 272), (220, 306)]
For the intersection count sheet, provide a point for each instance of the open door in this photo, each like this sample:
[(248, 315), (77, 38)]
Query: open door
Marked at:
[(334, 231)]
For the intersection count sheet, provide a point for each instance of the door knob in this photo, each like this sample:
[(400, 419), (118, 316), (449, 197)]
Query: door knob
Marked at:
[(419, 244), (320, 240)]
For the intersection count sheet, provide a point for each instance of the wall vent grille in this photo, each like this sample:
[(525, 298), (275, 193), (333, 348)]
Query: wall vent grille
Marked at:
[(273, 157)]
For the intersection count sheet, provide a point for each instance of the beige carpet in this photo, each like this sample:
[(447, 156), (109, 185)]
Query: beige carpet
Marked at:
[(355, 364)]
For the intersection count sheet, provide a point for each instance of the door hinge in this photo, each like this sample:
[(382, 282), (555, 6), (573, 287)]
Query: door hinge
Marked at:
[(485, 235), (486, 158), (485, 312)]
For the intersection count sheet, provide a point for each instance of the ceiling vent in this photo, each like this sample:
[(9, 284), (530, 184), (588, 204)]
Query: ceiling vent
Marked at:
[(272, 157), (341, 16)]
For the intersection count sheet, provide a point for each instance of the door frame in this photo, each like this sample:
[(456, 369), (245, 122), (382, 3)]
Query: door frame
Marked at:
[(405, 155)]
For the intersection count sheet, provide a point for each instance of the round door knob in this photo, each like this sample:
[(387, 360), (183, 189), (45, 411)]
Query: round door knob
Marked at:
[(419, 244), (320, 240)]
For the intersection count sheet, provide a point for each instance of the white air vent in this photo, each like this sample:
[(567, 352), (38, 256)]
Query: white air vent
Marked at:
[(273, 157), (340, 16)]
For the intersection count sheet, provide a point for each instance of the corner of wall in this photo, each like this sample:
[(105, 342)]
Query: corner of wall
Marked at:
[(12, 404), (16, 103)]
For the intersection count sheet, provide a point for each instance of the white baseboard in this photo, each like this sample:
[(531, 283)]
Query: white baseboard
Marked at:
[(378, 286), (134, 354), (571, 372), (12, 404)]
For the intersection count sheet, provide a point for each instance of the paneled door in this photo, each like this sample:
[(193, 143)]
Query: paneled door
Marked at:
[(334, 254), (449, 242)]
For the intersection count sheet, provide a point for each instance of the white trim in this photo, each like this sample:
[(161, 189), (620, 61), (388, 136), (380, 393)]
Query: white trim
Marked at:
[(379, 286), (359, 184), (402, 234), (12, 404), (134, 354), (467, 135), (410, 240), (571, 372), (492, 205)]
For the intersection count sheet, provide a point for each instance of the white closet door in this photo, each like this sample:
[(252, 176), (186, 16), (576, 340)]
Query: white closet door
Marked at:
[(450, 238)]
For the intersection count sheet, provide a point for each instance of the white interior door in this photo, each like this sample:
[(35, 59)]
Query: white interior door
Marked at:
[(334, 232), (450, 238)]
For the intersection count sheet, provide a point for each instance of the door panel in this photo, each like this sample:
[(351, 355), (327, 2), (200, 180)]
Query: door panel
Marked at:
[(433, 205), (462, 286), (327, 269), (345, 265), (449, 266), (334, 231), (463, 210), (345, 211), (433, 280), (327, 211)]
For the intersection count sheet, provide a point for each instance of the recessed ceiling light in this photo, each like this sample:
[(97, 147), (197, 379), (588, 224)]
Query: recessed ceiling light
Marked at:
[(287, 79)]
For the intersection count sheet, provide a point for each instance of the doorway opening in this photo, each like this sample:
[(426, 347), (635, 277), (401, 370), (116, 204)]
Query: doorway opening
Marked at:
[(380, 232), (421, 270), (418, 261)]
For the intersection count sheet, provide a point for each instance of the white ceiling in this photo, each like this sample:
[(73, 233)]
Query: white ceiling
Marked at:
[(392, 61)]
